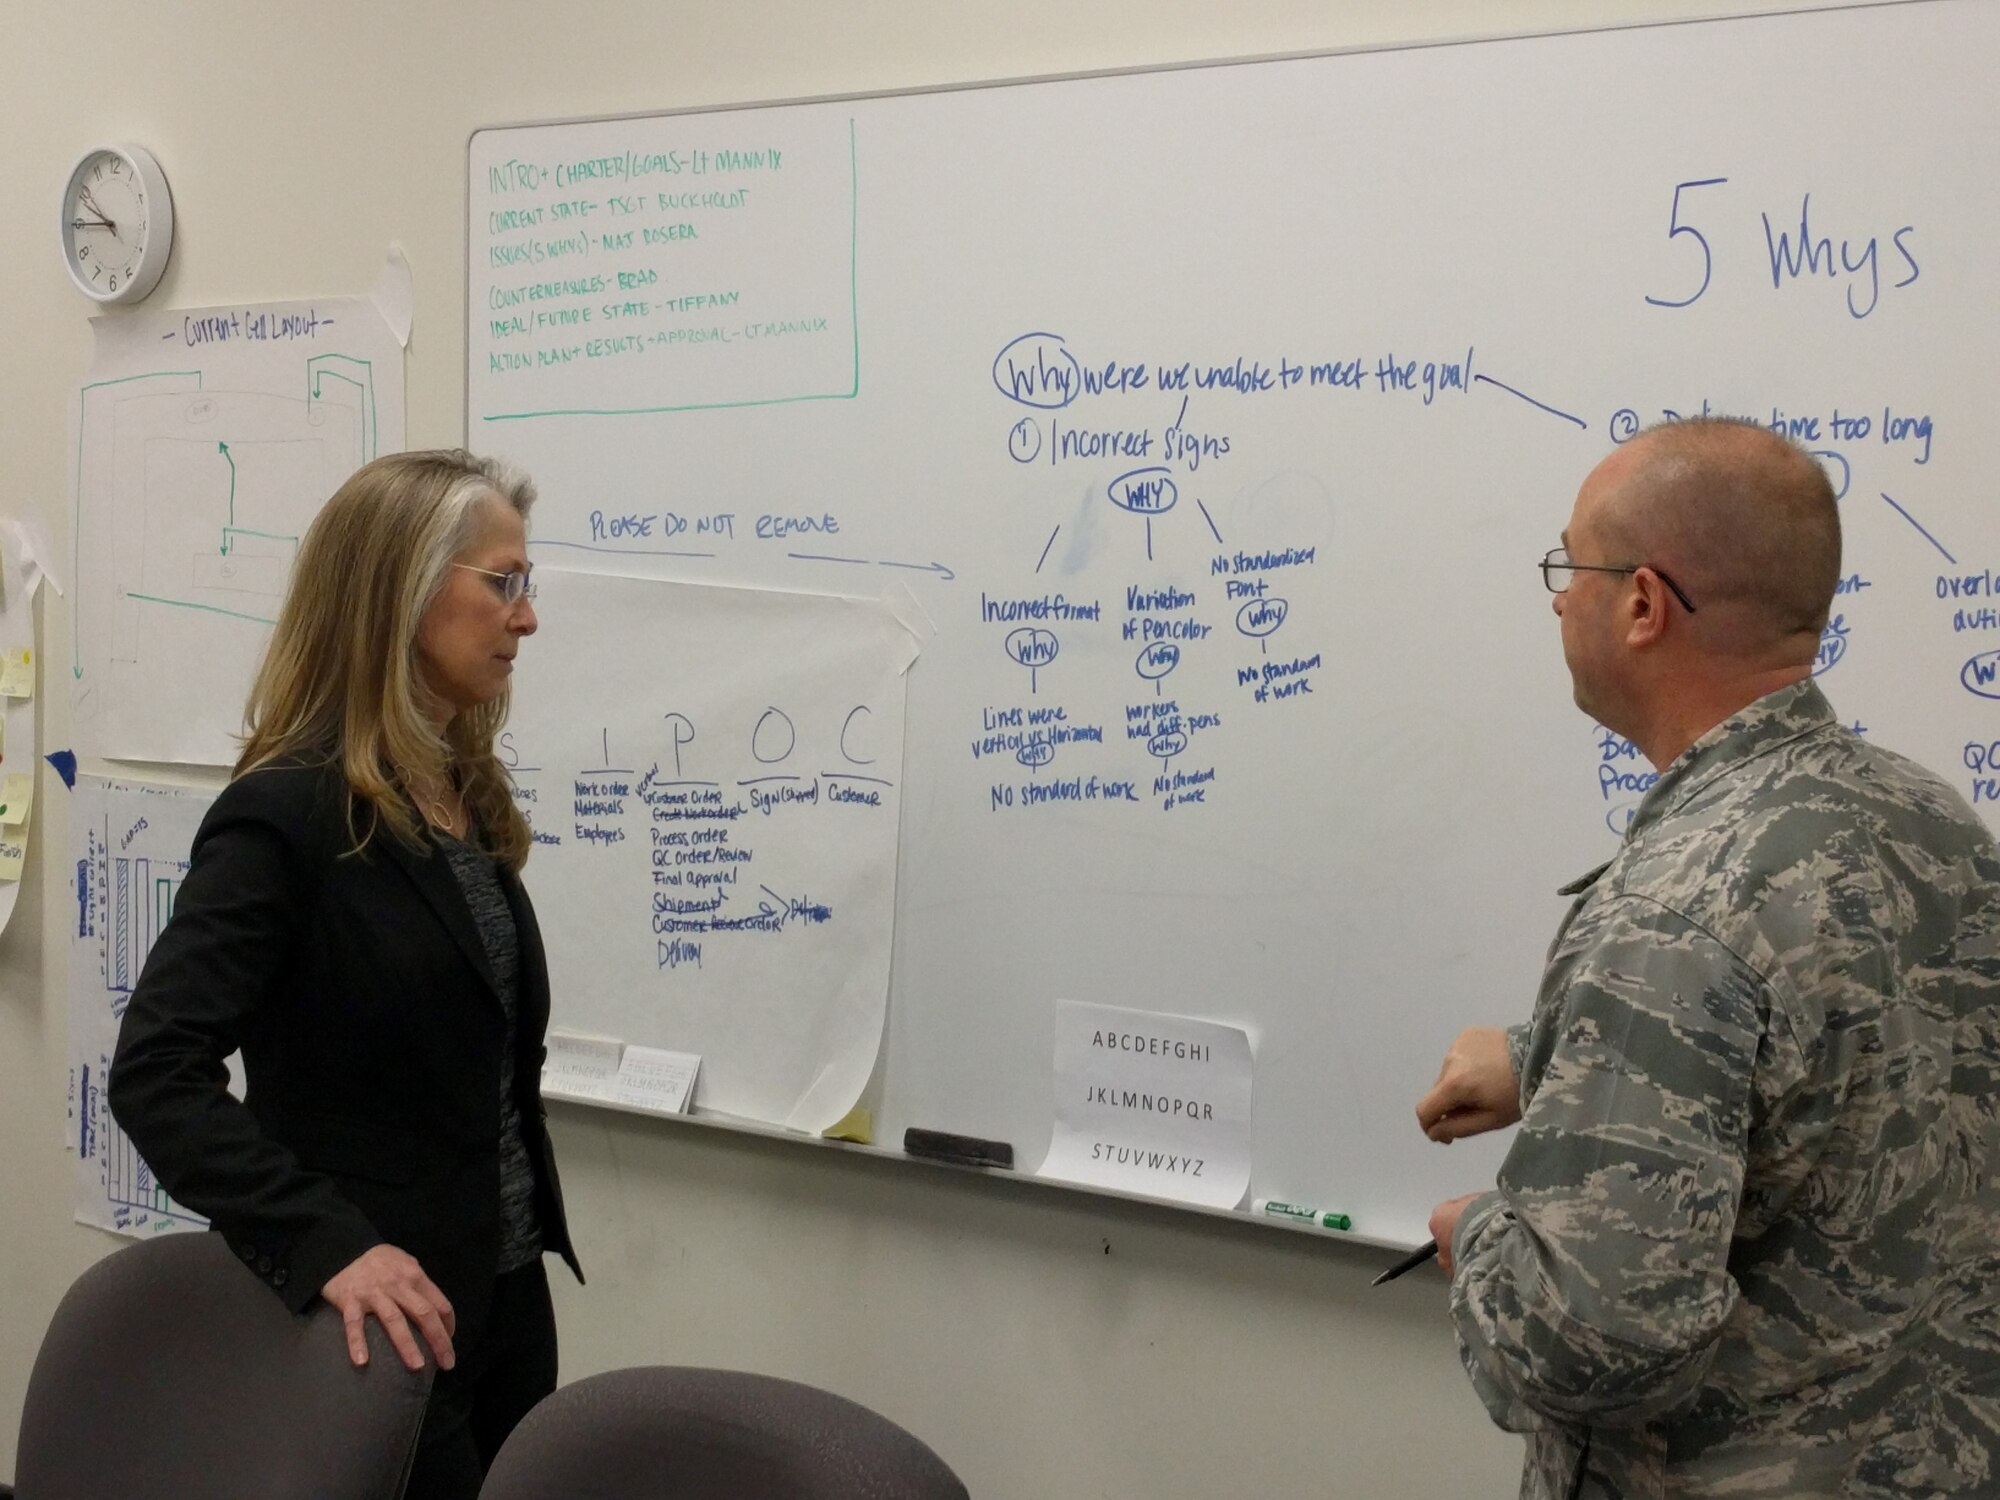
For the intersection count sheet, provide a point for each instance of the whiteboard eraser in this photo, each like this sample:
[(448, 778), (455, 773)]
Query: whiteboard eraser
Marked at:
[(962, 1150)]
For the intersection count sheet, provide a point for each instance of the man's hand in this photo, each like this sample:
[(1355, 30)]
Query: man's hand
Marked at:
[(1476, 1089), (1444, 1226), (390, 1284)]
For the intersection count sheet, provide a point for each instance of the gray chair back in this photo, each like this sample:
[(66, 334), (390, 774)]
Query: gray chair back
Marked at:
[(663, 1432), (171, 1369)]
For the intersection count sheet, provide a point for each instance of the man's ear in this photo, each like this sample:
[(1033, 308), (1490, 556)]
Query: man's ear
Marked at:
[(1647, 605)]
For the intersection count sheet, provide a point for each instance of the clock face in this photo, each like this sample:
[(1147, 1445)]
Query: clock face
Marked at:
[(112, 224)]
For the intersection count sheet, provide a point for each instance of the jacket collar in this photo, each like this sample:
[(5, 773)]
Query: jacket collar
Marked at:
[(1773, 721)]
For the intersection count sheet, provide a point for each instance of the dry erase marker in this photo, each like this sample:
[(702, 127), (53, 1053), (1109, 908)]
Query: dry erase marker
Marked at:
[(1292, 1213), (1408, 1263)]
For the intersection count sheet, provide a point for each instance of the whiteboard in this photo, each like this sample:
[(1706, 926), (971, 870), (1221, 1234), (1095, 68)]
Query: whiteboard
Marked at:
[(1217, 418)]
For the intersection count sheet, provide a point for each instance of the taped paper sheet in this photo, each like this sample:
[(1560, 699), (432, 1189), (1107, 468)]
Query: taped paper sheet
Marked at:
[(713, 775), (206, 442), (395, 295), (1151, 1104), (130, 843), (17, 712), (27, 542)]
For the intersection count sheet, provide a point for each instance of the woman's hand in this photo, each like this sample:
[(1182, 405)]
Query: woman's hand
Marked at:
[(390, 1284)]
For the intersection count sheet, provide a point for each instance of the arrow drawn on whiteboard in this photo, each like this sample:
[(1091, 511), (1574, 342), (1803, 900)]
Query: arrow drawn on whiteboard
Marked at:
[(782, 909), (935, 567), (1539, 405), (1920, 530), (223, 449), (1211, 523), (1045, 550), (932, 567)]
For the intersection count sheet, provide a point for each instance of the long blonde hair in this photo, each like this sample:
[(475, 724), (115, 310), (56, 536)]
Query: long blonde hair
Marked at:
[(340, 680)]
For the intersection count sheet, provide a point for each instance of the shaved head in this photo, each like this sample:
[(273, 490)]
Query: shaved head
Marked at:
[(1744, 520)]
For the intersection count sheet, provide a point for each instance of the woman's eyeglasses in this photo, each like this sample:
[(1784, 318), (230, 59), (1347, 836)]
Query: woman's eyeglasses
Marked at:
[(513, 586)]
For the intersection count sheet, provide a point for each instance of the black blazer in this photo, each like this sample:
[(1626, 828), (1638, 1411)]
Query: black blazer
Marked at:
[(359, 992)]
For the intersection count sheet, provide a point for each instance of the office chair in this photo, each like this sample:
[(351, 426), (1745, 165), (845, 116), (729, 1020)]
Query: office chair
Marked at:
[(169, 1369), (661, 1432)]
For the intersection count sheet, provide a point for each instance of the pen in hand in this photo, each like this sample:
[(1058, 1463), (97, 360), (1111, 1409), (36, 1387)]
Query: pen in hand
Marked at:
[(1408, 1263)]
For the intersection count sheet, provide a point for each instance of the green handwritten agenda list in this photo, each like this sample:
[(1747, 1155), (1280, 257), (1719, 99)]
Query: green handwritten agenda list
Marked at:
[(619, 270)]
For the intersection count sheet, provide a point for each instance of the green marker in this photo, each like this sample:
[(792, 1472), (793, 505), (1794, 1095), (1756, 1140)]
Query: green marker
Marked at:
[(1294, 1214)]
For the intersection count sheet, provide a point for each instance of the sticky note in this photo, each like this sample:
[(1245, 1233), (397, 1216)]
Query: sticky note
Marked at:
[(17, 677), (857, 1125), (13, 855), (17, 799)]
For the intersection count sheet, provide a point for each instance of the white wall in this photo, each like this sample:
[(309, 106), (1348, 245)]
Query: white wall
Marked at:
[(1046, 1344)]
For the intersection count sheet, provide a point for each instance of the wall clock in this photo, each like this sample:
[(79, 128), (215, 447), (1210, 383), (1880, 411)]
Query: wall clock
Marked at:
[(117, 223)]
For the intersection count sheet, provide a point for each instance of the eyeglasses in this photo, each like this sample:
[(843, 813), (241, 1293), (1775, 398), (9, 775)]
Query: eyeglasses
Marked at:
[(1556, 568), (512, 586)]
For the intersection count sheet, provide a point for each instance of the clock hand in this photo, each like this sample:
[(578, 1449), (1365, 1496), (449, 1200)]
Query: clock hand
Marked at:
[(93, 224), (90, 203)]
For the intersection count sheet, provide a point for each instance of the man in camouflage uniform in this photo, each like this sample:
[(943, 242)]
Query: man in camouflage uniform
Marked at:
[(1747, 1241)]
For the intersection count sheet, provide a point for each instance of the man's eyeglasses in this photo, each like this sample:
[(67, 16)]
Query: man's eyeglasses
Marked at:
[(1557, 568), (512, 586)]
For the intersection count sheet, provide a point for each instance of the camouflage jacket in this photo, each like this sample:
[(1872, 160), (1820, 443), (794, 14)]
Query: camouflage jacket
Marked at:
[(1747, 1241)]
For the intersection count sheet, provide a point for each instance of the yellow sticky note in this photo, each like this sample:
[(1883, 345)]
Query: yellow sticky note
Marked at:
[(856, 1125), (17, 677), (17, 799), (13, 855)]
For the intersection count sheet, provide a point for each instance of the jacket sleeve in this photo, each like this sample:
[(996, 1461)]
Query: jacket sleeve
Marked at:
[(1593, 1285), (216, 969)]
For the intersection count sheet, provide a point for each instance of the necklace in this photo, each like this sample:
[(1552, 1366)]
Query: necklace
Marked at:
[(435, 807)]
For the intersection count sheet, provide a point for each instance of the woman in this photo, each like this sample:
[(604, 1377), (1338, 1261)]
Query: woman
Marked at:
[(353, 922)]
